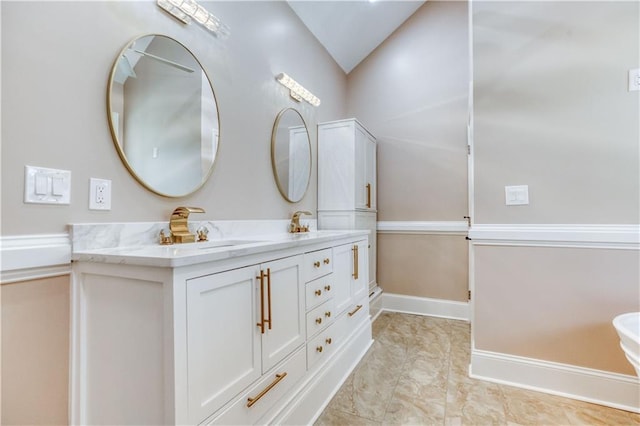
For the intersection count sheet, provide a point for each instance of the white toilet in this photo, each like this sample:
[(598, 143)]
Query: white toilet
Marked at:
[(628, 328)]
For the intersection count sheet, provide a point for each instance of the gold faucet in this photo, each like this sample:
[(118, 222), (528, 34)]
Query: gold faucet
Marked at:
[(295, 226), (179, 224)]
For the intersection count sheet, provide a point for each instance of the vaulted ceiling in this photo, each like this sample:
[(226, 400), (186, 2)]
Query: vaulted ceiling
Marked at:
[(351, 30)]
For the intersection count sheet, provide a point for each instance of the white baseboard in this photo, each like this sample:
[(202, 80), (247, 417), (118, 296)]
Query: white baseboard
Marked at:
[(595, 386), (425, 306)]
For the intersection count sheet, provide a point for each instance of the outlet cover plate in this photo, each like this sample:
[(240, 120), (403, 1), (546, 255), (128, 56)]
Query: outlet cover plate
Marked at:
[(99, 194)]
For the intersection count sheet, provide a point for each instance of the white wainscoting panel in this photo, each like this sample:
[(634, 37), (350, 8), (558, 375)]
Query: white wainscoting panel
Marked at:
[(29, 257), (595, 386)]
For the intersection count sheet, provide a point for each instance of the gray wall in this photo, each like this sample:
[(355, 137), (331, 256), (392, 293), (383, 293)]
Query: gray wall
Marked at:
[(411, 93), (56, 59), (552, 110)]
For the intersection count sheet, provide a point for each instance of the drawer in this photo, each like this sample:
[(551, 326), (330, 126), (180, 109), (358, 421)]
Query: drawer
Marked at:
[(320, 317), (317, 264), (357, 311), (319, 290), (265, 393), (321, 347)]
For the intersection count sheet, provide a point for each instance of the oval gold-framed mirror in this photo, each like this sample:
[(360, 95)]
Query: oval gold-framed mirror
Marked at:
[(291, 154), (163, 115)]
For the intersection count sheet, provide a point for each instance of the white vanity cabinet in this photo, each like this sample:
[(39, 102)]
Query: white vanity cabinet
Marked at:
[(346, 166), (347, 189), (234, 339)]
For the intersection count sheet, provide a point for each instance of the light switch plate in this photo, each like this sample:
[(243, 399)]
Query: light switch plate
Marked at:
[(517, 195), (634, 79), (46, 186)]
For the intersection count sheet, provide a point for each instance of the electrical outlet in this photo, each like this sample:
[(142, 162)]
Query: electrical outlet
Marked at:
[(99, 194)]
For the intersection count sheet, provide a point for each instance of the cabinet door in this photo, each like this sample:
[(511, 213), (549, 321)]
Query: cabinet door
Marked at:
[(370, 171), (360, 179), (360, 275), (282, 309), (342, 270), (336, 159), (368, 220), (223, 352)]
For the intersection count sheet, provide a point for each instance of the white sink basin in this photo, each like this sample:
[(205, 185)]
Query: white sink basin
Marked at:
[(190, 248), (628, 328)]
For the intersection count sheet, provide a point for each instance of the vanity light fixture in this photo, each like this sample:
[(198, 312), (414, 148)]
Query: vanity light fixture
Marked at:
[(296, 90), (186, 10)]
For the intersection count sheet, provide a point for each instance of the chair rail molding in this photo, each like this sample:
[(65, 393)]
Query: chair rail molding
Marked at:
[(559, 235), (29, 257), (423, 227)]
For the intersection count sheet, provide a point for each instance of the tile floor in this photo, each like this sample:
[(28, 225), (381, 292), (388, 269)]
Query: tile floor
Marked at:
[(416, 374)]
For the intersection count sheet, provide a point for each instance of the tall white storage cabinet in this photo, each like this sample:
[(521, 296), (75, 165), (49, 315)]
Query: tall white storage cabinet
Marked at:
[(347, 181)]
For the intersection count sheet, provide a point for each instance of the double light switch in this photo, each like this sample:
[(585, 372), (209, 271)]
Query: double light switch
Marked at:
[(46, 186)]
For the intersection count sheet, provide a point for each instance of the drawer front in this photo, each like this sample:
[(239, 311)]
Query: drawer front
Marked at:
[(357, 312), (318, 264), (320, 317), (321, 347), (319, 291), (264, 394)]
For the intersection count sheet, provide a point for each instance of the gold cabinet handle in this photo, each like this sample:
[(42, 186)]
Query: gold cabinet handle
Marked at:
[(319, 349), (355, 261), (316, 264), (326, 261), (270, 320), (328, 341), (251, 401), (352, 313), (318, 292), (319, 320), (327, 287), (327, 314), (262, 321), (368, 195)]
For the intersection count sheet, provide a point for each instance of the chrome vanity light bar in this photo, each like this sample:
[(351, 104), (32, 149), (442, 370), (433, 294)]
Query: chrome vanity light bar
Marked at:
[(296, 90), (186, 10)]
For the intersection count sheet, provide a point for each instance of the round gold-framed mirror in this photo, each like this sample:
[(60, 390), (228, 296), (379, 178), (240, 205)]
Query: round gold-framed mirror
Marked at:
[(291, 154), (163, 115)]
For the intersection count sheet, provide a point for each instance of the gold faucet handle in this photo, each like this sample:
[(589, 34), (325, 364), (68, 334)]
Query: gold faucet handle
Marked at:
[(202, 233), (165, 239)]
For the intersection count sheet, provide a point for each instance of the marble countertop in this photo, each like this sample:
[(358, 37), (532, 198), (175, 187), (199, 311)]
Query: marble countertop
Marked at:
[(177, 255)]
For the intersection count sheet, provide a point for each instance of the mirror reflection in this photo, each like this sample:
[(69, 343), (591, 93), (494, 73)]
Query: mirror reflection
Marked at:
[(291, 154), (163, 115)]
